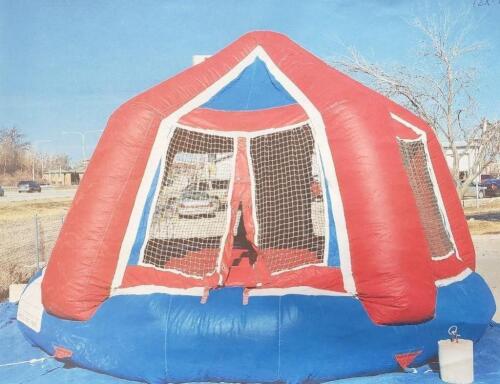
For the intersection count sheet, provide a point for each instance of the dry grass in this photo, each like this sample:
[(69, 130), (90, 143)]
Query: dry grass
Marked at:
[(15, 210), (488, 205), (484, 227), (17, 240)]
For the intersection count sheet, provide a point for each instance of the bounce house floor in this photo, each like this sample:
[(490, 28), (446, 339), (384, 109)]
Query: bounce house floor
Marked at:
[(14, 350)]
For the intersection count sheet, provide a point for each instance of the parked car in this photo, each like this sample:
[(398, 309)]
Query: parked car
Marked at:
[(196, 204), (492, 187), (28, 186), (217, 189), (2, 192), (472, 192)]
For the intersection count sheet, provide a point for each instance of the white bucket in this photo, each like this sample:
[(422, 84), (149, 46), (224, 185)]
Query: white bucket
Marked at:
[(456, 361)]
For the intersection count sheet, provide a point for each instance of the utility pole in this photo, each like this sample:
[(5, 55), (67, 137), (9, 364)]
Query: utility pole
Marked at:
[(35, 145)]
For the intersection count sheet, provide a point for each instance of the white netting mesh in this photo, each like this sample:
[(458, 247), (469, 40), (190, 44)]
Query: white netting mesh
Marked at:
[(415, 161), (190, 217), (288, 199)]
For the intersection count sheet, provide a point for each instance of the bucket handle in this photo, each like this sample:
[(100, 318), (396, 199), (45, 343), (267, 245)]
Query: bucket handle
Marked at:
[(453, 332)]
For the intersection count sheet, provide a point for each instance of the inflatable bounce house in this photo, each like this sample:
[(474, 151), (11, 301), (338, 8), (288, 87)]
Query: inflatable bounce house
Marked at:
[(260, 217)]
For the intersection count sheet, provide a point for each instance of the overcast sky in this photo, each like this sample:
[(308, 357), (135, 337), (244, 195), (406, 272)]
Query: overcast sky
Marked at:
[(66, 65)]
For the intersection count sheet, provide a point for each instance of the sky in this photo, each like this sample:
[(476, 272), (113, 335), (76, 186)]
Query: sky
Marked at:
[(66, 65)]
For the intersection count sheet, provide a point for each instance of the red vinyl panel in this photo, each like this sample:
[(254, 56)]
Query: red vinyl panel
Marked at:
[(244, 120), (136, 275), (83, 262)]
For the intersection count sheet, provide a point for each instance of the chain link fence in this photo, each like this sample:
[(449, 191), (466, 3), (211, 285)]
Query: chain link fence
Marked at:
[(25, 247)]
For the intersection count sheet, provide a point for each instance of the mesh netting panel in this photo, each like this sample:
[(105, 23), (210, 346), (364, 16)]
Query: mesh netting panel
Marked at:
[(288, 198), (415, 161), (190, 214)]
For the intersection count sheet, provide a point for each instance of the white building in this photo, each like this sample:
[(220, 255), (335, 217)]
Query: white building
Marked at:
[(467, 158)]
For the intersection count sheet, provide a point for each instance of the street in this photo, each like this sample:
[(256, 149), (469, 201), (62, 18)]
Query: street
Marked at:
[(48, 192)]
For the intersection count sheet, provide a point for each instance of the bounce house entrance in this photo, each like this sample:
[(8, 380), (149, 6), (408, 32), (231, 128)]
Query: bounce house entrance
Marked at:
[(233, 202), (190, 220)]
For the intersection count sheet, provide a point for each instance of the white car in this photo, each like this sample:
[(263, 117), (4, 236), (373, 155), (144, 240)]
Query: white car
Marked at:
[(471, 191), (192, 204), (217, 189)]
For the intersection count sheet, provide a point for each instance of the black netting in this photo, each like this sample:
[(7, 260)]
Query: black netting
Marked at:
[(288, 199), (417, 168)]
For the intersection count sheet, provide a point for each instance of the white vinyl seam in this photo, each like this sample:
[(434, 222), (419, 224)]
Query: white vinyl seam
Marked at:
[(321, 175), (245, 134), (301, 290), (175, 271), (435, 185), (150, 289), (322, 264), (454, 279), (161, 143)]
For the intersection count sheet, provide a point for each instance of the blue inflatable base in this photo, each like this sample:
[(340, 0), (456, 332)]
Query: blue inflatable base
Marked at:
[(162, 338), (15, 348)]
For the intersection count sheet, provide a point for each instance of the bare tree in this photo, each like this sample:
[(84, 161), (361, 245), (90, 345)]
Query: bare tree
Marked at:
[(12, 147), (58, 161), (439, 88), (19, 159)]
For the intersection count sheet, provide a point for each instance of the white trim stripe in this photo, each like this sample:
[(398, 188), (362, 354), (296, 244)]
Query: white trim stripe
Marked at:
[(245, 134), (151, 289), (454, 279), (322, 264), (302, 290)]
